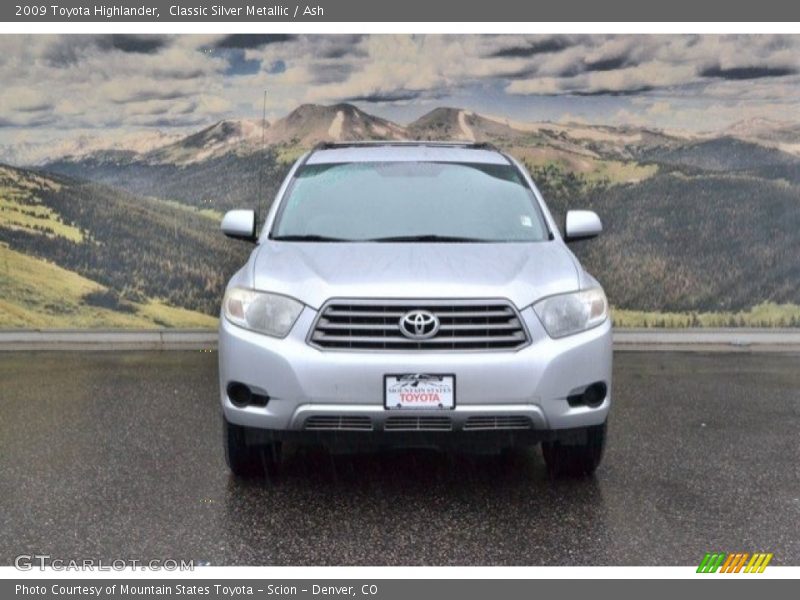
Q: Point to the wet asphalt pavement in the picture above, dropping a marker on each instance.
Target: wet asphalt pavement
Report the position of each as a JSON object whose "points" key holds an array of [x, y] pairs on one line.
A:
{"points": [[118, 455]]}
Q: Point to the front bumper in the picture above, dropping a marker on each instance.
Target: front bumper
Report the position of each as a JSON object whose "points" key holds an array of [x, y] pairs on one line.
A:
{"points": [[304, 382]]}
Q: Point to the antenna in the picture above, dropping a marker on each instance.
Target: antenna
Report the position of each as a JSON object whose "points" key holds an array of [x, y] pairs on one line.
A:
{"points": [[264, 120], [261, 165]]}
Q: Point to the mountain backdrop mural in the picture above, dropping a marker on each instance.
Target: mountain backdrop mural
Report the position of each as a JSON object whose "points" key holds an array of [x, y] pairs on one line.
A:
{"points": [[110, 203]]}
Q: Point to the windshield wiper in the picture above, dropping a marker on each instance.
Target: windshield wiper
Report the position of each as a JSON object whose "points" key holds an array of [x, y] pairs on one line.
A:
{"points": [[307, 238], [427, 238], [311, 237]]}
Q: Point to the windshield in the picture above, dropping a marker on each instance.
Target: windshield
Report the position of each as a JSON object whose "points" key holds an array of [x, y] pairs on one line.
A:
{"points": [[409, 201]]}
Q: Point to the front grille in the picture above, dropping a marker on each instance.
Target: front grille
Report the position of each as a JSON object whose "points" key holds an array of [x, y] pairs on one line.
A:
{"points": [[497, 422], [407, 423], [338, 423], [375, 325]]}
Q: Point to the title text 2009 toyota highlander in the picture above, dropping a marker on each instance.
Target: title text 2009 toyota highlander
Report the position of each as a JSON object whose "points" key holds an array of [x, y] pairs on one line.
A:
{"points": [[407, 294]]}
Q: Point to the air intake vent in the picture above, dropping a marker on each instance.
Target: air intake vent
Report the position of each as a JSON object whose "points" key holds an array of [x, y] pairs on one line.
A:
{"points": [[480, 423], [460, 325], [338, 423], [418, 424]]}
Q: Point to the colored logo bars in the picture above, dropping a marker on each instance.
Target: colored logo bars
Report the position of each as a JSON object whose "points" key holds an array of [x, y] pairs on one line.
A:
{"points": [[734, 562]]}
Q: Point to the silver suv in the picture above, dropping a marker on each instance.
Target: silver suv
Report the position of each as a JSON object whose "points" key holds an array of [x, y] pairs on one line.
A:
{"points": [[406, 294]]}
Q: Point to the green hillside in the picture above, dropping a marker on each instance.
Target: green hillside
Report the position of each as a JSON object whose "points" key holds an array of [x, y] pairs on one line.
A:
{"points": [[121, 260], [766, 314], [707, 242], [220, 183], [698, 231], [38, 294]]}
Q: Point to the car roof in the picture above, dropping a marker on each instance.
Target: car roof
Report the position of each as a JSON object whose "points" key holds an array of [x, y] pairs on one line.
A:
{"points": [[456, 152]]}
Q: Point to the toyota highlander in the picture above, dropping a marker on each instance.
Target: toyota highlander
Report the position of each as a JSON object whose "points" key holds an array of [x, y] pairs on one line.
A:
{"points": [[407, 294]]}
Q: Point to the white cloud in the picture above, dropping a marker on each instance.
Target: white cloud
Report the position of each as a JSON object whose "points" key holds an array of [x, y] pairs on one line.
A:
{"points": [[82, 82]]}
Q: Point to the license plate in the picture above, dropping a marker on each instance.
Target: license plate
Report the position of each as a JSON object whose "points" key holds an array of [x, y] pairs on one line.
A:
{"points": [[420, 391]]}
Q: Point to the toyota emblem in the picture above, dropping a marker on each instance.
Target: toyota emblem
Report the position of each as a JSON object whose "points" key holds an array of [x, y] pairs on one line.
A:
{"points": [[419, 324]]}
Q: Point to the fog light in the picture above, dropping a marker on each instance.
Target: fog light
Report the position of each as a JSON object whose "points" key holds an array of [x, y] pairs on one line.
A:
{"points": [[592, 396], [239, 394], [595, 394]]}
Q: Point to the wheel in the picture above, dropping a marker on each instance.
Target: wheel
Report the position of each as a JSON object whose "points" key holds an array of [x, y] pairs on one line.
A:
{"points": [[246, 459], [575, 460]]}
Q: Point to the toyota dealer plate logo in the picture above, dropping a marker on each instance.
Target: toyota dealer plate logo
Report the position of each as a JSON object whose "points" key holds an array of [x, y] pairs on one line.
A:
{"points": [[419, 324]]}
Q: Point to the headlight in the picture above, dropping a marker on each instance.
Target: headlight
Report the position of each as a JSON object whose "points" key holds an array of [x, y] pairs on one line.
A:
{"points": [[262, 312], [572, 313]]}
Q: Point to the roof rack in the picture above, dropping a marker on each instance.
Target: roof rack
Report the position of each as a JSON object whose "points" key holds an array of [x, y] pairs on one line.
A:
{"points": [[430, 144]]}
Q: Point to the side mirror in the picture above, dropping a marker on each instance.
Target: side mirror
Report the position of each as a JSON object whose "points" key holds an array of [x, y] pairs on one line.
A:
{"points": [[582, 225], [240, 225]]}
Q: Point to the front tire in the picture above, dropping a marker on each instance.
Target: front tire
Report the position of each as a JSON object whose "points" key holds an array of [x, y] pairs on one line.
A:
{"points": [[575, 460], [246, 459]]}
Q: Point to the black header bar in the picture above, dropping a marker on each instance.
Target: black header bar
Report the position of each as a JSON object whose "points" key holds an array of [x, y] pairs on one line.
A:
{"points": [[441, 11]]}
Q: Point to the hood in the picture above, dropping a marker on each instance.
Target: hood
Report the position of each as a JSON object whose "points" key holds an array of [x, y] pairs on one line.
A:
{"points": [[316, 272]]}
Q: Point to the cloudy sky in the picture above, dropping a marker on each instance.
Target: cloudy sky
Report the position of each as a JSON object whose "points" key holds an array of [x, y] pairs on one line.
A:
{"points": [[60, 86]]}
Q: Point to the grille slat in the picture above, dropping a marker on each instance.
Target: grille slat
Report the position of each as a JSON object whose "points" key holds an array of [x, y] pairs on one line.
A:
{"points": [[363, 313], [433, 341], [497, 422], [513, 325], [338, 423], [375, 325], [418, 424], [326, 324]]}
